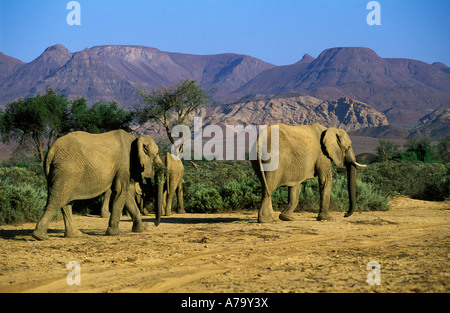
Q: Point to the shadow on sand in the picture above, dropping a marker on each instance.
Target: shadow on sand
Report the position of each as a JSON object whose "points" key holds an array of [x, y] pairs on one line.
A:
{"points": [[22, 234], [25, 234], [196, 220]]}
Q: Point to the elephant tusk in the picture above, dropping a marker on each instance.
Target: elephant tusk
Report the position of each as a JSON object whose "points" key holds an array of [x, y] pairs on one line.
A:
{"points": [[359, 165]]}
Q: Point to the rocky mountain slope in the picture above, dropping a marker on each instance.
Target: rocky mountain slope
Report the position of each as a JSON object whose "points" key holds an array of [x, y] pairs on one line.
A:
{"points": [[343, 113], [8, 65], [115, 72], [433, 125], [404, 90], [298, 110]]}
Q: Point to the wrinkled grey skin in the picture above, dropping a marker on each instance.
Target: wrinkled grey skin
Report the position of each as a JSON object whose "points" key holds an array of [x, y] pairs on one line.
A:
{"points": [[83, 166], [305, 152], [134, 192], [174, 182]]}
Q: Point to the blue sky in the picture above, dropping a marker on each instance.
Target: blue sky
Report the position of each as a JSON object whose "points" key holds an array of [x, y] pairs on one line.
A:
{"points": [[275, 31]]}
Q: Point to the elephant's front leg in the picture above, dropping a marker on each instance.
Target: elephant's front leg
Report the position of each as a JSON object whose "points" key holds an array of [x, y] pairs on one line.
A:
{"points": [[288, 213], [325, 179], [164, 203], [71, 231], [117, 203], [180, 204], [170, 195]]}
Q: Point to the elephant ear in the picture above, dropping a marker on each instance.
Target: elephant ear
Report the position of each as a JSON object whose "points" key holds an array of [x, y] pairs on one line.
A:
{"points": [[141, 151], [146, 151], [331, 144], [138, 189]]}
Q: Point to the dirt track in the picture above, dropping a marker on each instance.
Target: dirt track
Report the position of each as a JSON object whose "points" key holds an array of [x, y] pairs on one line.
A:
{"points": [[233, 253]]}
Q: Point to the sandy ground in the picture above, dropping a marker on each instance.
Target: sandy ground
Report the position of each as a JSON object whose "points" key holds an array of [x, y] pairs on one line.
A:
{"points": [[233, 253]]}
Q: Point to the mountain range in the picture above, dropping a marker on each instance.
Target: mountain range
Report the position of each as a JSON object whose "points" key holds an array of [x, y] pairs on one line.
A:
{"points": [[402, 90], [115, 72]]}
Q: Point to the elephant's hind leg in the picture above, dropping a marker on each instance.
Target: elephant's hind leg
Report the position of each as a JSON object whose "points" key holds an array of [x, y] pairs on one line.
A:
{"points": [[53, 204], [266, 214], [288, 213], [71, 231], [40, 232], [105, 206]]}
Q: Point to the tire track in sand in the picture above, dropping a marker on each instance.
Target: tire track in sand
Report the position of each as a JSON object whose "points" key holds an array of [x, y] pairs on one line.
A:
{"points": [[166, 275]]}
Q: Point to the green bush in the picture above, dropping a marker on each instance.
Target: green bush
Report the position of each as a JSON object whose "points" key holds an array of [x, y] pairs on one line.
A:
{"points": [[20, 176], [227, 186], [240, 195], [368, 197], [418, 180], [23, 196], [203, 199], [222, 186]]}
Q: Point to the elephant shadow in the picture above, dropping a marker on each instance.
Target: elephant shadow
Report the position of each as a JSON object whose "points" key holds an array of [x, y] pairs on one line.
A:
{"points": [[193, 220], [22, 234]]}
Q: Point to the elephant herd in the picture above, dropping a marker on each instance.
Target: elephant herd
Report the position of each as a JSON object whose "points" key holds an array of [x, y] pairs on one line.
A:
{"points": [[128, 169]]}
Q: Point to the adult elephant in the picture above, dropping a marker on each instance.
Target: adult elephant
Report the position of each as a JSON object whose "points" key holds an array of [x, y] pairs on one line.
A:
{"points": [[83, 166], [303, 152]]}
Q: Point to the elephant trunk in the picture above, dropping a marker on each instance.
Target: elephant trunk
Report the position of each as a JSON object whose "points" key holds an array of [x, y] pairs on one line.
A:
{"points": [[351, 181], [351, 164]]}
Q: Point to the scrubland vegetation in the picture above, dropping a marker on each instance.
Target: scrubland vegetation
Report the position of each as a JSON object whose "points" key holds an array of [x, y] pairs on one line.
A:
{"points": [[225, 186], [421, 170]]}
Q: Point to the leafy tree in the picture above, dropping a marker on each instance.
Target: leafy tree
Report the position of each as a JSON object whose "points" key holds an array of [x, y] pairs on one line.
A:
{"points": [[101, 117], [421, 149], [443, 148], [35, 118], [171, 106], [386, 149], [45, 118]]}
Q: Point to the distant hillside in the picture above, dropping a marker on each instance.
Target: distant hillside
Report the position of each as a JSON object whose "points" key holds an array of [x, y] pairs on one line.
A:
{"points": [[434, 125], [115, 72], [404, 90], [8, 65], [384, 132], [342, 113], [290, 110]]}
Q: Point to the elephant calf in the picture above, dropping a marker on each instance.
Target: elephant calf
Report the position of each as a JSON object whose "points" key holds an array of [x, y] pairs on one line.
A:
{"points": [[134, 192], [174, 182], [304, 152]]}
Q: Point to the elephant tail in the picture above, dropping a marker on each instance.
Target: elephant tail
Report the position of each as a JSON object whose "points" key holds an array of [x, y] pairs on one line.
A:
{"points": [[48, 162], [264, 180], [261, 167]]}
